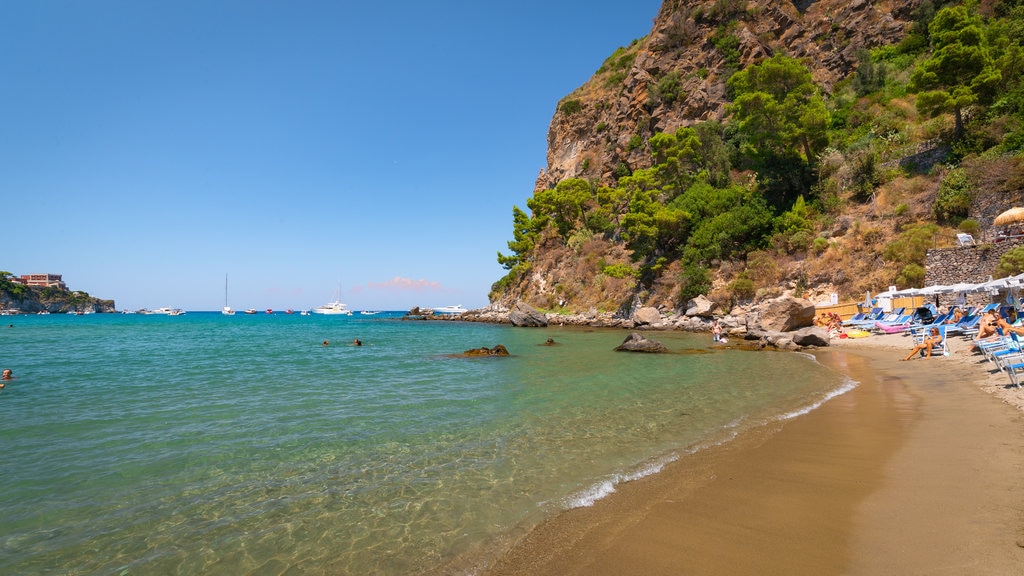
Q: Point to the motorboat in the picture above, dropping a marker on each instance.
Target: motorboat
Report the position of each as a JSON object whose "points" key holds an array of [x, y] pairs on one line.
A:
{"points": [[457, 309], [368, 312], [250, 310], [168, 311], [336, 308]]}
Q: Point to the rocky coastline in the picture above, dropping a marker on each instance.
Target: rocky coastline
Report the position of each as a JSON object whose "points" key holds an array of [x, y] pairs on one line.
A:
{"points": [[785, 323]]}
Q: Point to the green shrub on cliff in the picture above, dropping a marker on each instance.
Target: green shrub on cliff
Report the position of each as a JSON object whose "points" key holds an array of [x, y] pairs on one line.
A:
{"points": [[1011, 263]]}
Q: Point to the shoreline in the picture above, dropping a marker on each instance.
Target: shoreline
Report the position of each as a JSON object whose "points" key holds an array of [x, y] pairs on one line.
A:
{"points": [[912, 471]]}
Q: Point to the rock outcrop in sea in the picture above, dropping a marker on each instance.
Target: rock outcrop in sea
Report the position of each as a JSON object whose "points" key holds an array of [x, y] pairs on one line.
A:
{"points": [[785, 322]]}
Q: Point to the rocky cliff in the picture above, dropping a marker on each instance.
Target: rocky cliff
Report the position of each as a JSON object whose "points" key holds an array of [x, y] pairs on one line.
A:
{"points": [[675, 76], [26, 300]]}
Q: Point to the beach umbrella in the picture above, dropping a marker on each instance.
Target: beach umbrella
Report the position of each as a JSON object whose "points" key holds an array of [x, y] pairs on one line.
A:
{"points": [[1011, 216], [966, 287]]}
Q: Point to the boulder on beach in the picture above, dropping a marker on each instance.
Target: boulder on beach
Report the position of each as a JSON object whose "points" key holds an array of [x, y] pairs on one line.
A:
{"points": [[636, 342], [646, 315], [786, 314], [811, 336], [522, 314]]}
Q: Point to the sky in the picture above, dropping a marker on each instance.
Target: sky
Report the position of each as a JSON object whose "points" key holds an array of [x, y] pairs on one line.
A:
{"points": [[302, 151]]}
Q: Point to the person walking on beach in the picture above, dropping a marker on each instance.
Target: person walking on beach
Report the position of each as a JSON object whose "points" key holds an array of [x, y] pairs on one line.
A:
{"points": [[926, 345]]}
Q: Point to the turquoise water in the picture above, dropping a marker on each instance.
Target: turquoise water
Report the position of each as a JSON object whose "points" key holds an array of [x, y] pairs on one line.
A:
{"points": [[205, 444]]}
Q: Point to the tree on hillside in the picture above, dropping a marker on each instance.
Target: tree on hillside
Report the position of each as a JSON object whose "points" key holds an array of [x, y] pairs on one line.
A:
{"points": [[564, 204], [782, 122], [778, 108], [960, 71], [524, 237]]}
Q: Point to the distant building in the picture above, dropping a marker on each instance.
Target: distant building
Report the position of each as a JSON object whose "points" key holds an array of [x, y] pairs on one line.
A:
{"points": [[43, 280]]}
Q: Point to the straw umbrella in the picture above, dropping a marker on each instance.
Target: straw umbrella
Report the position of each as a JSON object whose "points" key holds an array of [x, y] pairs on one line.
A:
{"points": [[1011, 216]]}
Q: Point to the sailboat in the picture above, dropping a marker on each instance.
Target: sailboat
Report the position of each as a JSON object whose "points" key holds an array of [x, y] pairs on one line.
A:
{"points": [[226, 310]]}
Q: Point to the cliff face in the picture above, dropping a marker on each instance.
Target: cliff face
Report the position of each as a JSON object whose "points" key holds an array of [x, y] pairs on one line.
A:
{"points": [[35, 300], [676, 77], [595, 130]]}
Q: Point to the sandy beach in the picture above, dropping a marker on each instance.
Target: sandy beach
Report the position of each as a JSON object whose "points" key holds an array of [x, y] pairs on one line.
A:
{"points": [[918, 470]]}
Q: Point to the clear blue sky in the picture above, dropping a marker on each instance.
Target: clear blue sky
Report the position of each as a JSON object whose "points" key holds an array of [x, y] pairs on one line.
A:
{"points": [[150, 148]]}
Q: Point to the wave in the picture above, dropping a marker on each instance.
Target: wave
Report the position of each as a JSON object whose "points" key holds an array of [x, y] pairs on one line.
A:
{"points": [[847, 385], [589, 496]]}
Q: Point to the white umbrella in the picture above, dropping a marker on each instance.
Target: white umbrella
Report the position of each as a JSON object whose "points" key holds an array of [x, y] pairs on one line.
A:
{"points": [[997, 284], [966, 287]]}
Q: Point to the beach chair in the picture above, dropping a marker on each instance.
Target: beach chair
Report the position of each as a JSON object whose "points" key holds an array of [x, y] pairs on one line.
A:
{"points": [[868, 319], [1011, 354], [1013, 371], [941, 348], [965, 325]]}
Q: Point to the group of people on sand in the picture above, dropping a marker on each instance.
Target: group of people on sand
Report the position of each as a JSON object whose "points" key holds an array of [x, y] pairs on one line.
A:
{"points": [[992, 323], [830, 321]]}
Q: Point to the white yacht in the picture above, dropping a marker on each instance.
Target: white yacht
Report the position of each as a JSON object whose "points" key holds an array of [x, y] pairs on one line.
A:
{"points": [[333, 308], [457, 309]]}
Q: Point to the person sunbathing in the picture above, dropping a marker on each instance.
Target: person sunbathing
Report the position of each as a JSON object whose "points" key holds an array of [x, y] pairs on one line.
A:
{"points": [[987, 325], [932, 339]]}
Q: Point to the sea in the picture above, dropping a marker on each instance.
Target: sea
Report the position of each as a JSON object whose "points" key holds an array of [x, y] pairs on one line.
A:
{"points": [[212, 444]]}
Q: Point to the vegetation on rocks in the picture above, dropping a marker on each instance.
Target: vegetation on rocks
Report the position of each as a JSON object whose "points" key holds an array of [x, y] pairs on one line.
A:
{"points": [[31, 299], [816, 187]]}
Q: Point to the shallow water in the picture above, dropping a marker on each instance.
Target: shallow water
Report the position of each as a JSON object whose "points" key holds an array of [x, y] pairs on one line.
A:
{"points": [[241, 445]]}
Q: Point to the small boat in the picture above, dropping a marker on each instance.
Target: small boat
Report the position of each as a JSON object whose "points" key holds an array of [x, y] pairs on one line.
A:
{"points": [[368, 312], [168, 311], [289, 311], [269, 311], [457, 309], [250, 310], [304, 313]]}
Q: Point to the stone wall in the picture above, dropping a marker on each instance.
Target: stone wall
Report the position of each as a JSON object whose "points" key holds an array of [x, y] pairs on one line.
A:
{"points": [[972, 264]]}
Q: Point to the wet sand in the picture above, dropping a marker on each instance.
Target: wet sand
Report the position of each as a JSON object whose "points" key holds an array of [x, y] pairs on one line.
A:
{"points": [[915, 471]]}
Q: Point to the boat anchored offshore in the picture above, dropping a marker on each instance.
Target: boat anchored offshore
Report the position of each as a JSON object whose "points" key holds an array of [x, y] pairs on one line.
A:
{"points": [[457, 309], [226, 310], [333, 308]]}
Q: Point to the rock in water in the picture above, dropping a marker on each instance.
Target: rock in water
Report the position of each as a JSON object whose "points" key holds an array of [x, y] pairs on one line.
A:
{"points": [[635, 342], [498, 350]]}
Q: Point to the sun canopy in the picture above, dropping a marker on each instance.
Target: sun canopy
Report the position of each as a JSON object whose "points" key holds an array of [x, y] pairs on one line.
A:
{"points": [[1011, 216]]}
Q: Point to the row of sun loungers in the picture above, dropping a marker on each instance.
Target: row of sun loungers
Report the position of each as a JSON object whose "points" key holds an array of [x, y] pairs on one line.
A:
{"points": [[1004, 350]]}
